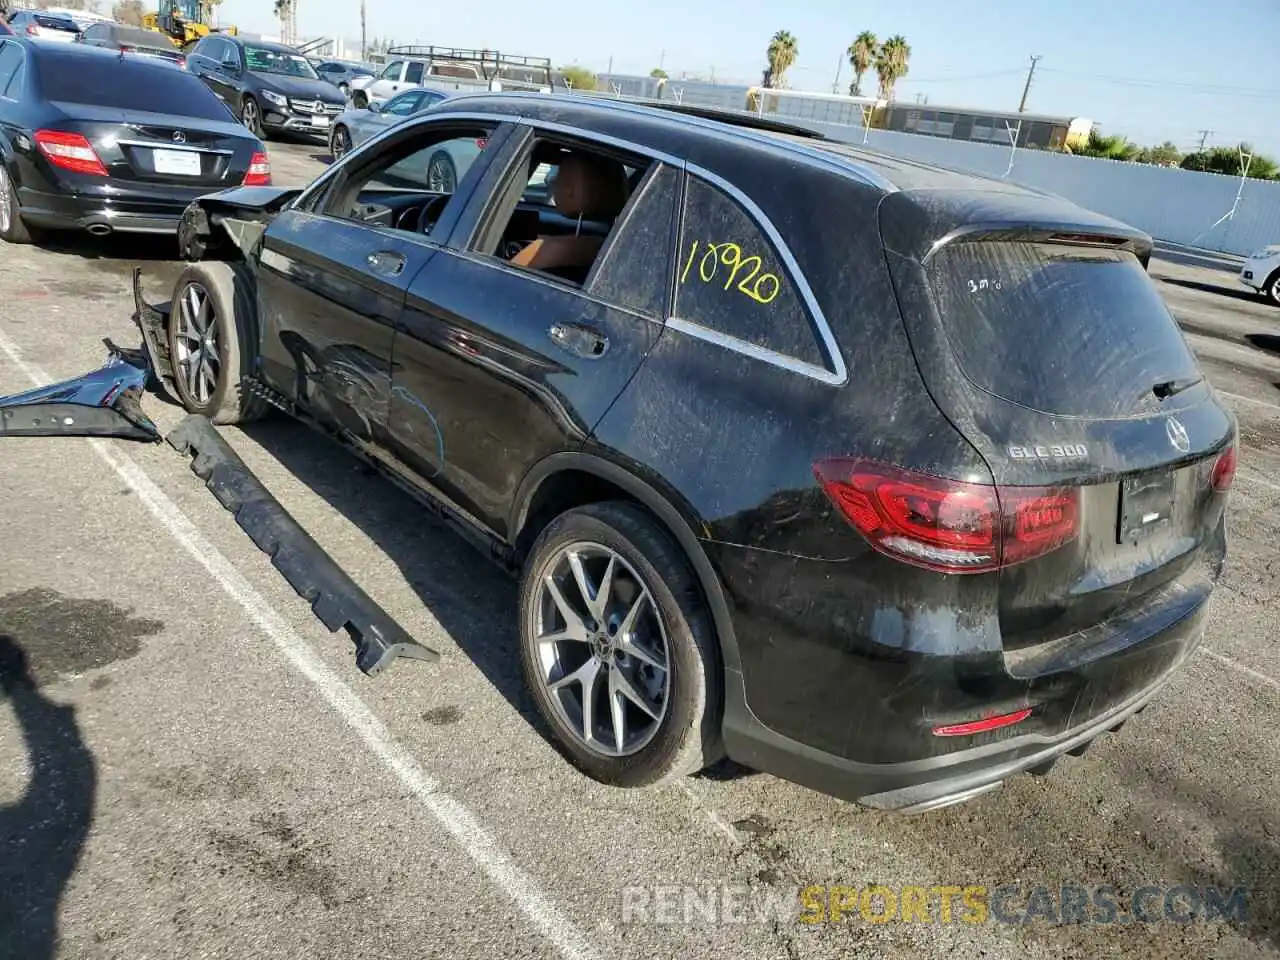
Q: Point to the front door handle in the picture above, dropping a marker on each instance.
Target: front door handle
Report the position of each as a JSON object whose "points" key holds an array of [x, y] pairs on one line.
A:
{"points": [[579, 339], [386, 263]]}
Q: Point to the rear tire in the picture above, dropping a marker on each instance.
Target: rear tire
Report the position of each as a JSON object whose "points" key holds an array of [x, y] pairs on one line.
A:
{"points": [[652, 614], [12, 227], [213, 340], [361, 100], [339, 143], [442, 175]]}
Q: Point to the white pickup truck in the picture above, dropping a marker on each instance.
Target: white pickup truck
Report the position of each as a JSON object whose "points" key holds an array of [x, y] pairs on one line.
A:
{"points": [[448, 68]]}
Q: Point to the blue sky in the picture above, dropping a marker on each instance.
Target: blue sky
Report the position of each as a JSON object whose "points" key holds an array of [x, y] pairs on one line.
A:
{"points": [[1197, 65]]}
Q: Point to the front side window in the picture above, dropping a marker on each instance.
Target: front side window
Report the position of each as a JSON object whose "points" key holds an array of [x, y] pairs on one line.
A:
{"points": [[409, 186], [730, 278], [392, 72], [414, 73], [403, 105]]}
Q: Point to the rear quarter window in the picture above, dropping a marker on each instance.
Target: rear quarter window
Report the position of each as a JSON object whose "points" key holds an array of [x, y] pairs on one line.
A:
{"points": [[730, 279], [128, 84], [1071, 331]]}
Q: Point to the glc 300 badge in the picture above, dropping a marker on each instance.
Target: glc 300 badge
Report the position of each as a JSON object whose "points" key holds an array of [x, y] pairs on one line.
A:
{"points": [[1177, 435], [1055, 451]]}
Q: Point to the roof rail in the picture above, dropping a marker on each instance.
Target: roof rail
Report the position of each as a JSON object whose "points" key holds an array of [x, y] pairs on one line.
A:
{"points": [[491, 61], [737, 118]]}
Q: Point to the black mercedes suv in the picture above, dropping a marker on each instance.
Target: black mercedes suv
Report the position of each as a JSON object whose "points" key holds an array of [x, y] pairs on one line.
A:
{"points": [[886, 479]]}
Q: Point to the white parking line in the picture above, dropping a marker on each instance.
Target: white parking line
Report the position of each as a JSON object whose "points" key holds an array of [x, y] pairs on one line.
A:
{"points": [[1226, 661], [1244, 399], [466, 830]]}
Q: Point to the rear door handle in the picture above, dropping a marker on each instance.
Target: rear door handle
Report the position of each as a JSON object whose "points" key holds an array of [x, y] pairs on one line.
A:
{"points": [[579, 339], [386, 263]]}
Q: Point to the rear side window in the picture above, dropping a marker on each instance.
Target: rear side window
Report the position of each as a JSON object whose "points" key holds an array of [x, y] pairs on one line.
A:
{"points": [[730, 279], [127, 84], [1071, 331], [635, 272], [414, 73], [10, 61]]}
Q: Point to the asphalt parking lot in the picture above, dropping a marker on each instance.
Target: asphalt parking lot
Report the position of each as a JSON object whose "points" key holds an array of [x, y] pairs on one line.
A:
{"points": [[200, 770]]}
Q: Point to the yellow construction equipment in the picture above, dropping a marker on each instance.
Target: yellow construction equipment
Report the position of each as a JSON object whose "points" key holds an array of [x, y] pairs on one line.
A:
{"points": [[185, 21]]}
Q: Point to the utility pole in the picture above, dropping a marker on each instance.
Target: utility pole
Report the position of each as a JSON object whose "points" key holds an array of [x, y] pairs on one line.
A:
{"points": [[364, 39], [835, 84], [1022, 107], [1204, 136]]}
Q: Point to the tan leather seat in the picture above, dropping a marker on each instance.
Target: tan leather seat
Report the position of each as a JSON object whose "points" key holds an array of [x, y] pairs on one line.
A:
{"points": [[587, 187]]}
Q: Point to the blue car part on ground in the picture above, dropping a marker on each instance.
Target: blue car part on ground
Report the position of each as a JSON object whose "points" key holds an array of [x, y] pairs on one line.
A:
{"points": [[104, 403]]}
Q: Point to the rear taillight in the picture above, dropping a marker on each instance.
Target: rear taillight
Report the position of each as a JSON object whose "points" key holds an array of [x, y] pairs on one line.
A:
{"points": [[949, 525], [33, 30], [985, 725], [124, 49], [1224, 470], [182, 61], [70, 151], [482, 142], [259, 174]]}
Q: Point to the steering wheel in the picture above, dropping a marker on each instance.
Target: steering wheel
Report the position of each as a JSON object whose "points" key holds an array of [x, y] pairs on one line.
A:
{"points": [[431, 211]]}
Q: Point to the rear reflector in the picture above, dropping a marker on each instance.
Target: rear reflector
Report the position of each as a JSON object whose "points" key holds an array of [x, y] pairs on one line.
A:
{"points": [[259, 174], [982, 726], [70, 151], [949, 525], [1224, 470]]}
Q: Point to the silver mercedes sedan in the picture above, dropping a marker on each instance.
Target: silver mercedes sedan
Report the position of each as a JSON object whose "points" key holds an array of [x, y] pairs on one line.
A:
{"points": [[356, 125]]}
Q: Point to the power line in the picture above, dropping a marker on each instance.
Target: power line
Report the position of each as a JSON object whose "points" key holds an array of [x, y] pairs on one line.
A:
{"points": [[964, 76], [1202, 88]]}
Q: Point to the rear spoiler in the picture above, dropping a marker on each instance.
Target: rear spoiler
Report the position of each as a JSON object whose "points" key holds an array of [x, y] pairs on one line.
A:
{"points": [[1084, 235]]}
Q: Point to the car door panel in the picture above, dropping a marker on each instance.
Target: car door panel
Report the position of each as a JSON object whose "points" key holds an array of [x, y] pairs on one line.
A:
{"points": [[496, 369], [330, 296]]}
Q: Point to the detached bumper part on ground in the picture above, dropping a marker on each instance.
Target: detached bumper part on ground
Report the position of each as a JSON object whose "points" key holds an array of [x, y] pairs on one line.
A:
{"points": [[104, 403]]}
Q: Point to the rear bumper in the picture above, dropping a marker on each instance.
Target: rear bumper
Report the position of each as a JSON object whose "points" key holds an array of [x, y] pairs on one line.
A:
{"points": [[916, 786], [827, 712], [115, 214]]}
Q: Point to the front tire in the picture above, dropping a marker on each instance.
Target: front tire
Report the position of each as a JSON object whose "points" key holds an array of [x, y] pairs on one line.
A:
{"points": [[618, 649], [361, 100], [339, 143], [213, 341], [251, 116], [12, 227], [1272, 288]]}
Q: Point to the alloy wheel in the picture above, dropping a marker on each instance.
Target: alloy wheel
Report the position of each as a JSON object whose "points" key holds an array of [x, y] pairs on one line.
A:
{"points": [[249, 115], [341, 143], [602, 649], [198, 358], [440, 175], [1275, 289], [6, 202]]}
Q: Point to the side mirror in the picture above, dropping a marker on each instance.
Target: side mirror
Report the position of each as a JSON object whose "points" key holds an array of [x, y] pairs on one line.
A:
{"points": [[375, 107]]}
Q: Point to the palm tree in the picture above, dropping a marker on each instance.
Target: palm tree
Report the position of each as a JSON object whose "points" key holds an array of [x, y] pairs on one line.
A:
{"points": [[862, 54], [891, 63], [782, 53]]}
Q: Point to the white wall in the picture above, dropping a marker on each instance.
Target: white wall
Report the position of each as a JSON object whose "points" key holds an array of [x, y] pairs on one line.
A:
{"points": [[1178, 206]]}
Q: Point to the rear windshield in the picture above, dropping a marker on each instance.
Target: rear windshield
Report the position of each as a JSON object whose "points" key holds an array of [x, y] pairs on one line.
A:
{"points": [[56, 23], [138, 37], [128, 84], [1072, 331]]}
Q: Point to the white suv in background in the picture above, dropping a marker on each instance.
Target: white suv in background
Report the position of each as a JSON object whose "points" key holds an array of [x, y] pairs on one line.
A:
{"points": [[1262, 272], [401, 75]]}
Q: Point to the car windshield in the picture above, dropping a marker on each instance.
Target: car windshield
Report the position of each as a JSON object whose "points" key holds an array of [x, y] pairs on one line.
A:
{"points": [[266, 60]]}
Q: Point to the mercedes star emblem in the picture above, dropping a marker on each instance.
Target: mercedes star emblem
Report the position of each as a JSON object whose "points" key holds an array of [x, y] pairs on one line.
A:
{"points": [[179, 137], [1177, 435]]}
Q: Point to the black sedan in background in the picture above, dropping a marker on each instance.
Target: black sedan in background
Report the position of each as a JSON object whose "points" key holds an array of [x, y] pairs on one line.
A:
{"points": [[119, 37], [269, 86], [104, 142]]}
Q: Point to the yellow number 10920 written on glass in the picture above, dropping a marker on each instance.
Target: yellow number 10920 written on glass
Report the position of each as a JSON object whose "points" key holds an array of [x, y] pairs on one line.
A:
{"points": [[745, 271]]}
